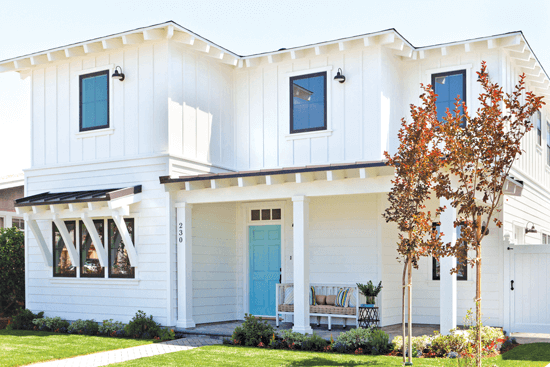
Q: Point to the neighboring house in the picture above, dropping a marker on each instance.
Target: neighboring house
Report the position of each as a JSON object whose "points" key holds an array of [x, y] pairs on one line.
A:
{"points": [[11, 188], [192, 184]]}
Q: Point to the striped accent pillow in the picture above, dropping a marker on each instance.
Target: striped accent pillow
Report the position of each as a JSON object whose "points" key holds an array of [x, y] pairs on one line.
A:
{"points": [[342, 297], [312, 300], [353, 298], [289, 296]]}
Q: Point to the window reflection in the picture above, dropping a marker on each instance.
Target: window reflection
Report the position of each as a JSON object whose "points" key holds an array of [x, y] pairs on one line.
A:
{"points": [[63, 266], [308, 103], [89, 260], [119, 262]]}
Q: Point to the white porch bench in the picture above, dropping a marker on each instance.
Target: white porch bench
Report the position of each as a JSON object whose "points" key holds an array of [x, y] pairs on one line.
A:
{"points": [[320, 310]]}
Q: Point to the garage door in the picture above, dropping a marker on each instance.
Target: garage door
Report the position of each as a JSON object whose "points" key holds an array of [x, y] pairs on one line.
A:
{"points": [[530, 289]]}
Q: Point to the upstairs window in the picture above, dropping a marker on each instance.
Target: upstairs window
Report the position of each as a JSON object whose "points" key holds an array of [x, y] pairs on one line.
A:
{"points": [[94, 101], [538, 124], [448, 86], [308, 102]]}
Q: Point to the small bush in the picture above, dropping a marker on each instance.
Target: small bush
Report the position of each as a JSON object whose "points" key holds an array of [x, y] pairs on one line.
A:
{"points": [[253, 332], [111, 328], [317, 343], [23, 320], [142, 327], [83, 327], [290, 337], [166, 334], [378, 342], [355, 338], [55, 324]]}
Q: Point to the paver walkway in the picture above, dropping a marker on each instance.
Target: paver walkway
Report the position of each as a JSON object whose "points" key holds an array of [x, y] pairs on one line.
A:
{"points": [[121, 355]]}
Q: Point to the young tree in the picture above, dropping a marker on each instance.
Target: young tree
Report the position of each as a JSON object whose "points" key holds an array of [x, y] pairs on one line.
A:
{"points": [[416, 164], [12, 270], [478, 158]]}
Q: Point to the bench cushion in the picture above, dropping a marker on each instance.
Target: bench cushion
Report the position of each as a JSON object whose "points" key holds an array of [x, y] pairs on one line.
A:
{"points": [[323, 309]]}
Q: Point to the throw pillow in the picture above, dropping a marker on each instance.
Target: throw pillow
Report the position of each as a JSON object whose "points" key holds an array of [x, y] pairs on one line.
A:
{"points": [[331, 300], [289, 296], [312, 301], [341, 297], [353, 298], [320, 299]]}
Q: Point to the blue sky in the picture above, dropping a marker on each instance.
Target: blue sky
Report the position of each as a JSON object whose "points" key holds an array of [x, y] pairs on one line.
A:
{"points": [[244, 27]]}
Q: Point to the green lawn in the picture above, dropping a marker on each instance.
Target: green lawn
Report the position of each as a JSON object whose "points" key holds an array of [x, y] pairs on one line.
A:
{"points": [[524, 355], [20, 347]]}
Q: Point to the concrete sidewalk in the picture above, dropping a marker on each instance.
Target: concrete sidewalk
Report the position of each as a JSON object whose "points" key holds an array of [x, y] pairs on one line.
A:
{"points": [[127, 354]]}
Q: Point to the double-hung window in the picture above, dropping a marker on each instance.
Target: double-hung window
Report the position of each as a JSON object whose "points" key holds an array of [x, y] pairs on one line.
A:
{"points": [[436, 268], [448, 86], [308, 102], [94, 101]]}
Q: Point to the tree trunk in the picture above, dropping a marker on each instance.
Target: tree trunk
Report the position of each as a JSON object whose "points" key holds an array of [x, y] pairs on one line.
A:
{"points": [[403, 305], [478, 293], [409, 270]]}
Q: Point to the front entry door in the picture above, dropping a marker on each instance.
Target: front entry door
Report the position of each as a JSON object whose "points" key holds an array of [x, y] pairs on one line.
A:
{"points": [[265, 268]]}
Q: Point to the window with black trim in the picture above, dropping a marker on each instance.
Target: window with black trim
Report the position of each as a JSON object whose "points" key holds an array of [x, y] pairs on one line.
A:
{"points": [[89, 260], [436, 268], [94, 101], [265, 214], [62, 265], [538, 124], [448, 86], [308, 102], [119, 262]]}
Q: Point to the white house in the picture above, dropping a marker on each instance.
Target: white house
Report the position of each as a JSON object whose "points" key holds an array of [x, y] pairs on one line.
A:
{"points": [[225, 174]]}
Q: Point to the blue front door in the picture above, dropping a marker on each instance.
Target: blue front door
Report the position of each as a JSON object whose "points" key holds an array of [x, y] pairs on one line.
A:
{"points": [[265, 268]]}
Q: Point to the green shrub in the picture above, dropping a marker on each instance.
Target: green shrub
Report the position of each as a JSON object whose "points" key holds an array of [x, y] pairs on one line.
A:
{"points": [[252, 332], [83, 327], [142, 327], [317, 343], [55, 324], [378, 342], [166, 334], [12, 270], [111, 328], [355, 338], [23, 320], [290, 337]]}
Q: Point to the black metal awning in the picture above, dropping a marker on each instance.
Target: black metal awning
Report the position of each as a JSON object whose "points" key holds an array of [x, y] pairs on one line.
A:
{"points": [[50, 198]]}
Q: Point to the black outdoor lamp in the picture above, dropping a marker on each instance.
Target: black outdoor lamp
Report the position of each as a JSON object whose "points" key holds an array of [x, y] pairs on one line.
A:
{"points": [[118, 76], [530, 230], [339, 76]]}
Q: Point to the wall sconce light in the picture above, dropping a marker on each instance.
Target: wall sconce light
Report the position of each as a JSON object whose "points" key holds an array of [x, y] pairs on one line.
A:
{"points": [[530, 230], [118, 76], [339, 76]]}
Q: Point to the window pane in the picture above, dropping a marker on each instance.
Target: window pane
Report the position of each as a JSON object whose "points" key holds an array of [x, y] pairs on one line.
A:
{"points": [[94, 104], [266, 214], [1, 222], [119, 262], [308, 110], [276, 214], [18, 223], [255, 215], [63, 266], [89, 261], [448, 87]]}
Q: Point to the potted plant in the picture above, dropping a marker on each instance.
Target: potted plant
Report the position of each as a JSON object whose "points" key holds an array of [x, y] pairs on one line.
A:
{"points": [[370, 292]]}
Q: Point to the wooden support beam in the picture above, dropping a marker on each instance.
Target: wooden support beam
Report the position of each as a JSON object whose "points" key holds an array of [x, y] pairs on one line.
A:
{"points": [[511, 41], [129, 245], [230, 59], [407, 52], [247, 181], [397, 45], [57, 55], [37, 209], [201, 46], [216, 53], [529, 64], [44, 250], [520, 55], [58, 208], [368, 172], [24, 74], [492, 43], [240, 63], [194, 185], [77, 207], [220, 183], [272, 59], [184, 38], [22, 210], [23, 63], [96, 239], [275, 179], [170, 31], [421, 54], [296, 54], [536, 71], [252, 62], [336, 175], [304, 177], [467, 47], [124, 201], [112, 43], [541, 85], [343, 46], [9, 66], [132, 39], [518, 48], [96, 205], [67, 239], [443, 51], [74, 51], [540, 78], [93, 47], [321, 50], [40, 59], [387, 38], [154, 34], [368, 41]]}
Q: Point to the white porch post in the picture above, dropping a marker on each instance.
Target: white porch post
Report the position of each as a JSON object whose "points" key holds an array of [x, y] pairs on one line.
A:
{"points": [[185, 263], [447, 283], [301, 265]]}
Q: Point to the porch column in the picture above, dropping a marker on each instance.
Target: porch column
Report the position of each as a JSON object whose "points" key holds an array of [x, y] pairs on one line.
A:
{"points": [[184, 267], [301, 265], [447, 283]]}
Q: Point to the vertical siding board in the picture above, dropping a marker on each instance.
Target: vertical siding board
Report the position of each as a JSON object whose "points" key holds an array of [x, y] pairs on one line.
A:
{"points": [[270, 133], [160, 97], [88, 144], [203, 112], [353, 110], [39, 120], [256, 121], [189, 107], [116, 140], [215, 98], [286, 147], [131, 102], [50, 112], [371, 103], [74, 110], [227, 127], [241, 120], [337, 139], [146, 100], [175, 108], [102, 141], [63, 113]]}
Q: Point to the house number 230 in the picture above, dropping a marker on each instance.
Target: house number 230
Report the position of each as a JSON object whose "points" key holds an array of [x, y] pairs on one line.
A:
{"points": [[180, 232]]}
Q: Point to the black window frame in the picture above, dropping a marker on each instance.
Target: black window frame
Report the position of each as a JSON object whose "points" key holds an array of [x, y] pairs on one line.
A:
{"points": [[54, 228], [464, 276], [454, 72], [291, 106], [133, 269], [538, 117], [91, 75], [81, 225]]}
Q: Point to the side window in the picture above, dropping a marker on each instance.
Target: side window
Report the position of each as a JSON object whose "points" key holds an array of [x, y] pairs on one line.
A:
{"points": [[94, 101], [119, 262], [448, 86], [18, 223], [538, 124], [62, 265], [308, 102], [436, 268]]}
